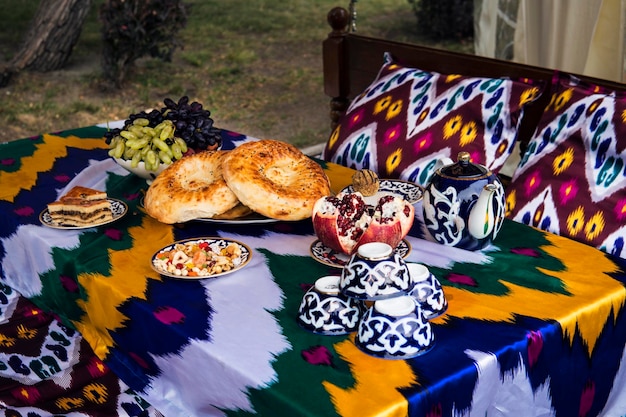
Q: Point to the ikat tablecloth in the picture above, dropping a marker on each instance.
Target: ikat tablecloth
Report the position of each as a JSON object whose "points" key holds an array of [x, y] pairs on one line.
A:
{"points": [[535, 324]]}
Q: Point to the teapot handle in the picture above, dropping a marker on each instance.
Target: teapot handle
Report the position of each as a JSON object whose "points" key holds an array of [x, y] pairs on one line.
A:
{"points": [[442, 162]]}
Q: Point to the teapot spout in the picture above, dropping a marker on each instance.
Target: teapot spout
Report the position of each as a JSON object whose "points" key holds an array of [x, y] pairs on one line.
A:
{"points": [[482, 219]]}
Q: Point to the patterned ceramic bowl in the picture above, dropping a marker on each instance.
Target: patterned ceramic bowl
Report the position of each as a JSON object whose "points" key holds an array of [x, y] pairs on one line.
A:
{"points": [[375, 272], [395, 328], [427, 291], [324, 310]]}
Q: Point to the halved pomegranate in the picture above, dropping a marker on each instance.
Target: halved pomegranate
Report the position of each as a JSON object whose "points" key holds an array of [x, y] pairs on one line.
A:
{"points": [[344, 222], [391, 222], [340, 221]]}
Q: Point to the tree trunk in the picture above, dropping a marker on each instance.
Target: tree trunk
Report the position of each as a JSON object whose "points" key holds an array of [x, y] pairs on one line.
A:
{"points": [[51, 37]]}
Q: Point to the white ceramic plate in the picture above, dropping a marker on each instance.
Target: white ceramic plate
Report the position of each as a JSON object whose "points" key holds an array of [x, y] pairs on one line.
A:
{"points": [[410, 191], [140, 170], [252, 218], [118, 208], [327, 256], [216, 244]]}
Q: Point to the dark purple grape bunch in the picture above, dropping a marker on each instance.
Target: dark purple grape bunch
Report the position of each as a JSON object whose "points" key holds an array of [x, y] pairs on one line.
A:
{"points": [[193, 123], [110, 134]]}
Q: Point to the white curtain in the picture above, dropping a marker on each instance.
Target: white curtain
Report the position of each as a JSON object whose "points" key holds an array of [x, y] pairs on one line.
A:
{"points": [[579, 36], [494, 28], [585, 37]]}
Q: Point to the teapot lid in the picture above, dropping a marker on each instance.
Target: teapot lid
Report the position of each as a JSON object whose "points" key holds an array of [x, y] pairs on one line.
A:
{"points": [[463, 168]]}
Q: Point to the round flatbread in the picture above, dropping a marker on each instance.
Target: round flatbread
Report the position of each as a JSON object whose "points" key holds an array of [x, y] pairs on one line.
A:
{"points": [[275, 179], [191, 188], [236, 212]]}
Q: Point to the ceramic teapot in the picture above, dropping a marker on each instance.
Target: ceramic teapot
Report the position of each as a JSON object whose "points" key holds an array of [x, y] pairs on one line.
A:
{"points": [[463, 204]]}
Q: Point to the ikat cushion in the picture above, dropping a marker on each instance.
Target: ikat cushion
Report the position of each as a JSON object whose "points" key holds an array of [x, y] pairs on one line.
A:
{"points": [[408, 119], [572, 179]]}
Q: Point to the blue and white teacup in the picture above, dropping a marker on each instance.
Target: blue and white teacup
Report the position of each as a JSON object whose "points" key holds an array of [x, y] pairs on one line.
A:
{"points": [[427, 291], [324, 310], [375, 272], [395, 328]]}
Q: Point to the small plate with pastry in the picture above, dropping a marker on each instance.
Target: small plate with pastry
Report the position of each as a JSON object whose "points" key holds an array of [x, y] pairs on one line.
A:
{"points": [[372, 188], [201, 258], [82, 208]]}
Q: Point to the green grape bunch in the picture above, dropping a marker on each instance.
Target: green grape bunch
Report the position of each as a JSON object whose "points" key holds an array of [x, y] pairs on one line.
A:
{"points": [[153, 145]]}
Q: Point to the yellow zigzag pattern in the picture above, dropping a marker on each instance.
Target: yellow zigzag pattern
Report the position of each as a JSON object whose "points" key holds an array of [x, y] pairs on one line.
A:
{"points": [[583, 279], [371, 392], [53, 147], [128, 278]]}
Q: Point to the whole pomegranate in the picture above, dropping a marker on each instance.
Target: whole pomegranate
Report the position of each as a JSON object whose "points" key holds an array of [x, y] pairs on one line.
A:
{"points": [[344, 222]]}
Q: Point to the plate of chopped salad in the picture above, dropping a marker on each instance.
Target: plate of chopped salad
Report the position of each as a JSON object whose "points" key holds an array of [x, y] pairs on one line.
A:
{"points": [[201, 258]]}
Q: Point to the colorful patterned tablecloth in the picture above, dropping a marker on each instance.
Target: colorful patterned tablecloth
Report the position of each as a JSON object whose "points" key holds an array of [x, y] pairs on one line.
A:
{"points": [[535, 325]]}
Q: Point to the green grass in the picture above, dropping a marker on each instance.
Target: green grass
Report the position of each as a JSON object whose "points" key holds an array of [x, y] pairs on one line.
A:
{"points": [[256, 65]]}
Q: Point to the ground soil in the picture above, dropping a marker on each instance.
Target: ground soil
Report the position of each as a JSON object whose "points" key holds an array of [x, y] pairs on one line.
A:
{"points": [[268, 102], [296, 112]]}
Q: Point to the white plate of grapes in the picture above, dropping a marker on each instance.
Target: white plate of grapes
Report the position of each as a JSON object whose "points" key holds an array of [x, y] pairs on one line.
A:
{"points": [[140, 169], [148, 142]]}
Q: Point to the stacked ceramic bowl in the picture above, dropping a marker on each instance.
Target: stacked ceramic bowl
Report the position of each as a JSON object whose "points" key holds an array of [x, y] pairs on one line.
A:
{"points": [[324, 310], [387, 301]]}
